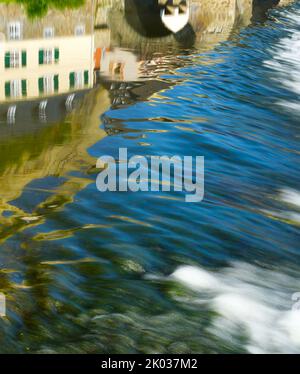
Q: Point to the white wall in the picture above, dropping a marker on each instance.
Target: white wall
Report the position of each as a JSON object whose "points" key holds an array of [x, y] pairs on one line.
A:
{"points": [[75, 54]]}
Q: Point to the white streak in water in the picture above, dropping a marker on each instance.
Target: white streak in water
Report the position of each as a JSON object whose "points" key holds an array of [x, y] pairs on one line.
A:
{"points": [[290, 196], [255, 299], [286, 61], [195, 278]]}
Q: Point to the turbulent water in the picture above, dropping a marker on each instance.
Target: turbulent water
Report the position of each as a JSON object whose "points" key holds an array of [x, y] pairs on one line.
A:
{"points": [[119, 272]]}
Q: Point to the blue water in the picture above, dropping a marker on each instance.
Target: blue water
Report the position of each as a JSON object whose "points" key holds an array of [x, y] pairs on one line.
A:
{"points": [[147, 272]]}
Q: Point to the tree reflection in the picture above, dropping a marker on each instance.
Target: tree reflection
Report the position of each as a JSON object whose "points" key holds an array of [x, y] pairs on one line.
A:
{"points": [[39, 8]]}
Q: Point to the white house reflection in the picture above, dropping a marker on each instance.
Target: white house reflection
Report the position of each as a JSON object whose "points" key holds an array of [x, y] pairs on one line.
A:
{"points": [[51, 62], [41, 59]]}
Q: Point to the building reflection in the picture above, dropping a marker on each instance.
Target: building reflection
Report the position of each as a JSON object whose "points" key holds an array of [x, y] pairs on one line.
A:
{"points": [[132, 42], [59, 73], [50, 62], [54, 89], [40, 61]]}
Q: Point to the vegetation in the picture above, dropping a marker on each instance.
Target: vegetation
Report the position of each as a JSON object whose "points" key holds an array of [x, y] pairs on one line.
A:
{"points": [[38, 8]]}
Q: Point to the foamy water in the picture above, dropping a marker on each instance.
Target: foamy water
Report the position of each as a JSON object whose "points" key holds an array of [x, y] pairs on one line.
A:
{"points": [[251, 301], [290, 206], [285, 61], [247, 299], [290, 196]]}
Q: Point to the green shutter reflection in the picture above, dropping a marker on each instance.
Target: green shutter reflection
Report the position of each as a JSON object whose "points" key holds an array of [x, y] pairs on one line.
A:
{"points": [[7, 89], [24, 87], [72, 80], [41, 57], [55, 83], [86, 77], [41, 85], [7, 60], [24, 58], [56, 54]]}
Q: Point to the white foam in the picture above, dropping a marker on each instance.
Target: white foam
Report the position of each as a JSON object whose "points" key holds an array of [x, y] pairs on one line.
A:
{"points": [[256, 300], [295, 106], [195, 278], [290, 210], [290, 196], [241, 308], [291, 217], [286, 61], [291, 323]]}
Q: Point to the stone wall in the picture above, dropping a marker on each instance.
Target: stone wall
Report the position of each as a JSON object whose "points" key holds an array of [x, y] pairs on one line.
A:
{"points": [[64, 21], [210, 16]]}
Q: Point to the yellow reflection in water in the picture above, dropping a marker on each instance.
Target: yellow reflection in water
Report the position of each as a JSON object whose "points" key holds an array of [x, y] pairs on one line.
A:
{"points": [[56, 151]]}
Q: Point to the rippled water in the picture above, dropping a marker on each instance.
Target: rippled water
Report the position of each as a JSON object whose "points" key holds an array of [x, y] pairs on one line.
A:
{"points": [[85, 271]]}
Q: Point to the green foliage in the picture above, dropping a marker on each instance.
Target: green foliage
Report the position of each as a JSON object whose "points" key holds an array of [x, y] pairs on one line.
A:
{"points": [[39, 8]]}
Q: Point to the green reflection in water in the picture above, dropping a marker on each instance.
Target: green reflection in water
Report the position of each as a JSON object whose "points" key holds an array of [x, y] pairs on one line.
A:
{"points": [[39, 8]]}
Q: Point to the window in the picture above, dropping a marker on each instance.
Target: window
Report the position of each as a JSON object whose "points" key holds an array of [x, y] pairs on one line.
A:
{"points": [[14, 31], [15, 59], [48, 32], [16, 88], [48, 84], [79, 79], [79, 30], [48, 56]]}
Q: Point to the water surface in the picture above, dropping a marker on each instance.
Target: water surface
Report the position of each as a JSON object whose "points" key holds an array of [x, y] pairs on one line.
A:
{"points": [[91, 272]]}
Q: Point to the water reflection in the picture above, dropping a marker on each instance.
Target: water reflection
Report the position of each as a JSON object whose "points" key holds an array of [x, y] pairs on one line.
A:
{"points": [[41, 63], [36, 9], [64, 74], [41, 59]]}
